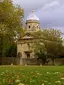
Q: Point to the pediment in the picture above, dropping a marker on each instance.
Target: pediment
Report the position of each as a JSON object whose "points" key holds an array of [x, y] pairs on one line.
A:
{"points": [[28, 36]]}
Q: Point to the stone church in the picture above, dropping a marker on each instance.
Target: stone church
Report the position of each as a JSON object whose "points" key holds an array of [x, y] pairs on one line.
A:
{"points": [[25, 51], [24, 45]]}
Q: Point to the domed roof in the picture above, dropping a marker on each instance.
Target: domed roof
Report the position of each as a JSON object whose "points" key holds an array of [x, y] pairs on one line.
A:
{"points": [[32, 16]]}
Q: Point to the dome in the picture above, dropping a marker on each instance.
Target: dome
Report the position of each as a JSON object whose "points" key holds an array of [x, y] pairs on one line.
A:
{"points": [[32, 16]]}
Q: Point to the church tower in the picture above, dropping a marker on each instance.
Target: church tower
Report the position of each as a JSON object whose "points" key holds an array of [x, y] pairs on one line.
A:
{"points": [[25, 50], [32, 22]]}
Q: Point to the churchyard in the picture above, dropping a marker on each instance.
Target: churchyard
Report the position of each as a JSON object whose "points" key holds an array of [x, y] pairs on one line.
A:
{"points": [[31, 75]]}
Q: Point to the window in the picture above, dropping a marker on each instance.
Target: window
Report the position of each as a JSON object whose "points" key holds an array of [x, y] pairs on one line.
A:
{"points": [[37, 26], [19, 55], [28, 45], [28, 55], [29, 26]]}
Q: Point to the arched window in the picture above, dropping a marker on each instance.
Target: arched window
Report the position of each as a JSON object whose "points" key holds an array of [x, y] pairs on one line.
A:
{"points": [[29, 26], [37, 26], [28, 45], [19, 55]]}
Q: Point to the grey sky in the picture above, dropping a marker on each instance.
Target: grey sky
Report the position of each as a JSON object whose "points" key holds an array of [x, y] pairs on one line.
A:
{"points": [[50, 12]]}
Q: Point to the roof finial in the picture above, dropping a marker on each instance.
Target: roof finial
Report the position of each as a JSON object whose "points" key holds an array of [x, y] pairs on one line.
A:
{"points": [[32, 11]]}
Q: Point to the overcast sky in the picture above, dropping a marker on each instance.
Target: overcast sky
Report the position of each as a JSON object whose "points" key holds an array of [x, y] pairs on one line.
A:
{"points": [[50, 12]]}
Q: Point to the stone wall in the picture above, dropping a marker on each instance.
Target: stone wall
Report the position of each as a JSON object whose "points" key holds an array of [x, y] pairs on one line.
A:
{"points": [[59, 61], [25, 61], [32, 61], [9, 60], [18, 61]]}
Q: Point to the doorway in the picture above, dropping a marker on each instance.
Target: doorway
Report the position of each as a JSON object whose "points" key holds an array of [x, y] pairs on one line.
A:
{"points": [[28, 54]]}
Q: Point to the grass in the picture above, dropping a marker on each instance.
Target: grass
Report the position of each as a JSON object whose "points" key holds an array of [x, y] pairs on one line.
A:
{"points": [[31, 75]]}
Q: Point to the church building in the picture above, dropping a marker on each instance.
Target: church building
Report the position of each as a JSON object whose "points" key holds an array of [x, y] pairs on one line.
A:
{"points": [[24, 45]]}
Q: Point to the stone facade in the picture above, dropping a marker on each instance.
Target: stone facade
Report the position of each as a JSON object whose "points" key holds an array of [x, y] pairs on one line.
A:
{"points": [[32, 25], [25, 50], [24, 44]]}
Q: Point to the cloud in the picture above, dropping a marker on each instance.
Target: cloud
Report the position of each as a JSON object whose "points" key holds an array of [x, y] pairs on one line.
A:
{"points": [[28, 5], [52, 15], [52, 4], [50, 12]]}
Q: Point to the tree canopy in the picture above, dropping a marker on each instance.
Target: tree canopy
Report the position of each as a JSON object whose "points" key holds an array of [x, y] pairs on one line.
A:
{"points": [[11, 21], [10, 18], [50, 41]]}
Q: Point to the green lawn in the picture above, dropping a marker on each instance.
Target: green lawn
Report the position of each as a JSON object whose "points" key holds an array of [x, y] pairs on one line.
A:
{"points": [[31, 75]]}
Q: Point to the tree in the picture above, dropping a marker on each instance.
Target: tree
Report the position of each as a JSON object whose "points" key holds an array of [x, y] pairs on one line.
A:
{"points": [[54, 43], [40, 52], [11, 20], [52, 40], [11, 51]]}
